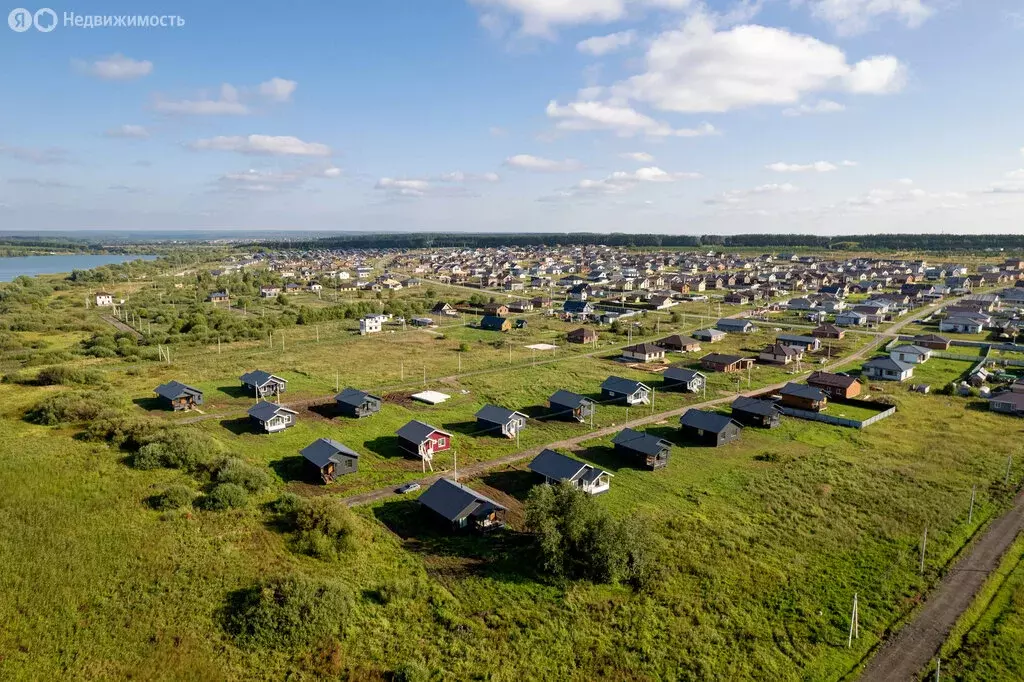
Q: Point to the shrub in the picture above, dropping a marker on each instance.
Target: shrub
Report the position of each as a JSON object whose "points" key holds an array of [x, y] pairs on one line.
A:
{"points": [[74, 406], [326, 528], [288, 505], [120, 429], [175, 497], [68, 376], [464, 347], [240, 472], [413, 671], [225, 496], [285, 612], [177, 448]]}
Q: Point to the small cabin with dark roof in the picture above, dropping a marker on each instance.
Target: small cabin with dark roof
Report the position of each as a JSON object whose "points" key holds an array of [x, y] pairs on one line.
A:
{"points": [[647, 450], [682, 379], [679, 344], [178, 396], [459, 507], [625, 391], [643, 352], [330, 458], [568, 405], [754, 412], [718, 362], [554, 467], [262, 384], [272, 417], [494, 323], [803, 397], [709, 428], [836, 386], [423, 440], [355, 403], [499, 421]]}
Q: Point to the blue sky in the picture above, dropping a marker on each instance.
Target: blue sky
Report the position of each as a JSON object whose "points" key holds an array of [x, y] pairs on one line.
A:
{"points": [[826, 116]]}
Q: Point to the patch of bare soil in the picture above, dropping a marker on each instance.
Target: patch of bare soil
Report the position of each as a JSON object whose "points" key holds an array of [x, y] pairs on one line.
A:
{"points": [[403, 398]]}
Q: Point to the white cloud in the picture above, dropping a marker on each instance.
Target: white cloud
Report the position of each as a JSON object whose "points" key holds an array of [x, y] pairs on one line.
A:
{"points": [[278, 89], [620, 182], [817, 167], [332, 172], [126, 130], [738, 196], [602, 45], [847, 163], [698, 68], [1012, 183], [272, 180], [451, 184], [639, 157], [542, 17], [622, 120], [850, 17], [226, 103], [538, 163], [282, 145], [116, 67], [823, 106]]}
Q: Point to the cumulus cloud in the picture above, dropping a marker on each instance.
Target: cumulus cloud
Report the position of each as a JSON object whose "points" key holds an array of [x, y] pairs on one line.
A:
{"points": [[1012, 183], [227, 102], [130, 131], [452, 184], [822, 106], [737, 196], [537, 163], [619, 182], [698, 68], [602, 45], [276, 145], [116, 67], [817, 167], [262, 181], [850, 17], [623, 120], [542, 17], [278, 89], [639, 157]]}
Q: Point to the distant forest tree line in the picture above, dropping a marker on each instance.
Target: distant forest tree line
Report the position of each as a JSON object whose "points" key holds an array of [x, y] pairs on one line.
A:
{"points": [[869, 242]]}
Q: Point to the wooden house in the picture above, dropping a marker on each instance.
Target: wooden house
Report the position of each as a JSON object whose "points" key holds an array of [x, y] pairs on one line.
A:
{"points": [[679, 344], [355, 403], [272, 417], [178, 396], [709, 428], [462, 508], [933, 341], [496, 309], [330, 458], [567, 405], [828, 331], [682, 379], [625, 391], [717, 362], [495, 324], [261, 384], [219, 297], [803, 397], [554, 467], [836, 386], [446, 309], [647, 450], [423, 440], [755, 412], [581, 335], [499, 421]]}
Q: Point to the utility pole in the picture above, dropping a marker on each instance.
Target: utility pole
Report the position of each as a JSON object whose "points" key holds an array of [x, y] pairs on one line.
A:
{"points": [[424, 375], [924, 547], [854, 622], [970, 513], [337, 381], [1009, 464]]}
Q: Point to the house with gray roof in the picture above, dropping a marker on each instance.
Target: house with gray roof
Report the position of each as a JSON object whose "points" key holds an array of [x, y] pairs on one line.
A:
{"points": [[625, 391], [261, 384], [355, 403], [178, 396], [647, 450], [709, 428], [272, 417], [554, 467], [682, 379], [887, 369], [462, 508], [499, 421], [730, 325], [423, 440], [756, 412], [911, 354], [330, 458], [568, 405]]}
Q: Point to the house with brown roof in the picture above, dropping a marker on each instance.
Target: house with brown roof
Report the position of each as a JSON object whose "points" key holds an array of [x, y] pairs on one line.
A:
{"points": [[718, 362], [836, 386], [581, 335], [643, 352]]}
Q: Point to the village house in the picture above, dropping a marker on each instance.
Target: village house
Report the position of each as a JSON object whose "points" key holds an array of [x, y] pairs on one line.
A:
{"points": [[269, 291], [679, 344], [355, 403], [717, 362], [219, 297], [643, 352], [581, 335], [496, 309], [460, 508], [828, 331], [803, 397], [887, 369], [836, 386], [679, 378], [709, 428], [730, 325], [370, 324], [554, 467], [178, 396], [568, 405], [851, 318], [494, 421], [520, 306], [446, 309], [780, 354], [625, 391], [911, 355], [493, 323], [423, 440], [962, 325], [649, 451], [272, 417], [262, 384], [933, 341], [756, 412], [330, 458], [709, 335], [104, 299], [1008, 403], [578, 310], [805, 343]]}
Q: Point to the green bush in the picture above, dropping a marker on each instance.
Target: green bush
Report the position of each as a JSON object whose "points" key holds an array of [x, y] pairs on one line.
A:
{"points": [[285, 613], [178, 448], [68, 407], [325, 528], [175, 497], [123, 430], [68, 376], [240, 472], [225, 496], [413, 671], [288, 505]]}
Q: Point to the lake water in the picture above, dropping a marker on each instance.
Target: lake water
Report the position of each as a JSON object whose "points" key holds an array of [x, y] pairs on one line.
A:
{"points": [[48, 265]]}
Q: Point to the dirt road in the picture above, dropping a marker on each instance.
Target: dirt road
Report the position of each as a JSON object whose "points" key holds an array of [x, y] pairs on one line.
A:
{"points": [[905, 655]]}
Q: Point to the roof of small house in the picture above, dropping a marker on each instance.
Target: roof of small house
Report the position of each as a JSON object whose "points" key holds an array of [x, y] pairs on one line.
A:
{"points": [[781, 349], [323, 450], [258, 377], [493, 322], [709, 332], [721, 358], [644, 348], [681, 374], [264, 410], [641, 442], [676, 341], [1015, 399], [803, 391], [568, 399], [497, 415], [559, 467], [620, 385], [765, 408], [931, 338], [707, 421], [889, 364], [353, 397], [577, 307], [175, 389], [733, 323], [455, 501], [913, 350], [831, 380], [417, 431], [794, 338]]}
